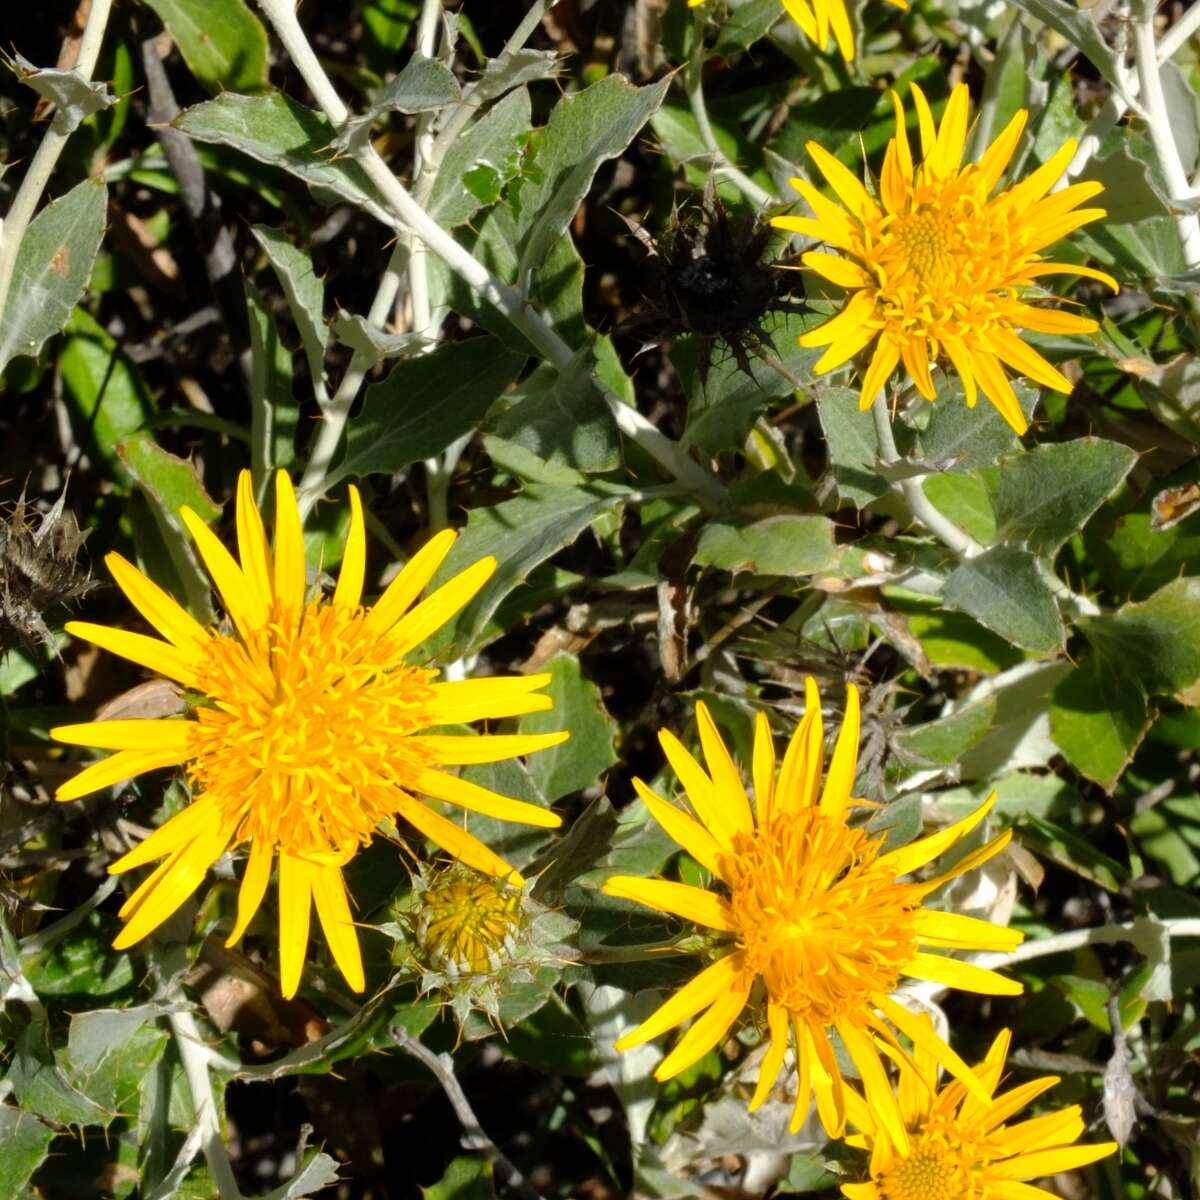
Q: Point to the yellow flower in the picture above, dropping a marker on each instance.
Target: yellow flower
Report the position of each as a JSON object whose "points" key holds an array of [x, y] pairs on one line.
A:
{"points": [[307, 727], [815, 909], [936, 267], [957, 1146], [818, 18]]}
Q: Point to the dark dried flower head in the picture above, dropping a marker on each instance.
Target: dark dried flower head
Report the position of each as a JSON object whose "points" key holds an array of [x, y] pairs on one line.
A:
{"points": [[709, 278], [40, 571]]}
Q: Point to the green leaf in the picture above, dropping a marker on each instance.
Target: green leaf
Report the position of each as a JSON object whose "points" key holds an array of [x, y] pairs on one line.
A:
{"points": [[53, 266], [85, 964], [305, 295], [1045, 495], [1080, 29], [1135, 556], [280, 132], [26, 1142], [424, 85], [964, 499], [424, 404], [1157, 642], [492, 145], [468, 1177], [1075, 853], [1005, 592], [274, 413], [852, 446], [223, 43], [790, 545], [581, 761], [1098, 717], [169, 483], [521, 533], [584, 131], [40, 1085], [75, 97], [958, 438], [108, 399], [724, 400], [952, 639], [561, 418], [746, 24], [111, 1050], [1169, 833], [942, 742]]}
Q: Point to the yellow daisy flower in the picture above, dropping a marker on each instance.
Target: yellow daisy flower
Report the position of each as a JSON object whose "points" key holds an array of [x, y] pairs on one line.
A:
{"points": [[307, 727], [936, 267], [819, 18], [814, 908], [957, 1146]]}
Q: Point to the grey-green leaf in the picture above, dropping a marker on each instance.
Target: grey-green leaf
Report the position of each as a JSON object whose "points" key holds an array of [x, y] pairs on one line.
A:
{"points": [[581, 761], [424, 404], [584, 131], [1045, 495], [790, 544], [277, 130], [520, 533], [1155, 643], [26, 1142], [492, 148], [1004, 591], [75, 97], [52, 269], [561, 418], [305, 294]]}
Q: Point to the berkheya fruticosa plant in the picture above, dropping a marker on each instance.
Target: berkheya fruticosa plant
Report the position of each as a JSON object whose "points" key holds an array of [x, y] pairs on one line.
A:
{"points": [[515, 438]]}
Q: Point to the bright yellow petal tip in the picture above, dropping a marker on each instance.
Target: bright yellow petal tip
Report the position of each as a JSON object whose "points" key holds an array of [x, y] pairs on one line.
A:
{"points": [[311, 729], [816, 912], [935, 271]]}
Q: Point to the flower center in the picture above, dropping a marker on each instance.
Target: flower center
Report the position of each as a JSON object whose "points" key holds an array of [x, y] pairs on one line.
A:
{"points": [[932, 1170], [466, 924], [944, 264], [817, 918], [307, 736], [932, 245]]}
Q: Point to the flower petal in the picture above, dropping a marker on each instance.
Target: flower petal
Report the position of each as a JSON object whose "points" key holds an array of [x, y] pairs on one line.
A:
{"points": [[348, 593], [965, 976], [252, 541], [410, 583], [333, 909], [440, 607], [462, 750], [295, 913], [707, 1031], [162, 611], [455, 840], [734, 806], [698, 993], [125, 764], [680, 899], [917, 854], [839, 779], [159, 657], [682, 829], [472, 796], [255, 877]]}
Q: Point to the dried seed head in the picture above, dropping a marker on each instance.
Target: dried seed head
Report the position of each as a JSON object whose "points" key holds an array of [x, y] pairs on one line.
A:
{"points": [[40, 571]]}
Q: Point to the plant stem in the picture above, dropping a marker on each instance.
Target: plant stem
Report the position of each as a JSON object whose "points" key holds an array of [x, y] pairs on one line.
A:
{"points": [[1158, 123], [694, 82], [508, 300], [1118, 103], [194, 1055], [25, 202], [922, 509]]}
